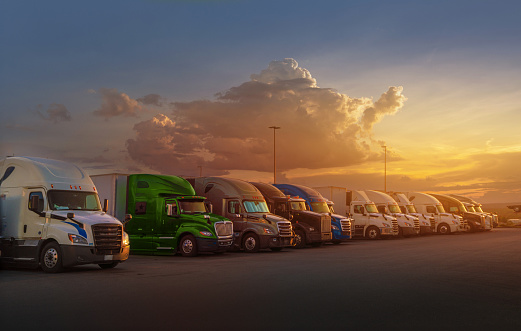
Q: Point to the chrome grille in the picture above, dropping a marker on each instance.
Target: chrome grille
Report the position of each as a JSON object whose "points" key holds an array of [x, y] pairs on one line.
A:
{"points": [[224, 229], [345, 223], [417, 224], [107, 238], [326, 224], [395, 226], [284, 229]]}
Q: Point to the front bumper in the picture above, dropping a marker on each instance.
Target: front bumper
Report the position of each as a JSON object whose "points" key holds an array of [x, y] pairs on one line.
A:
{"points": [[386, 231], [213, 245], [76, 255], [275, 241], [425, 230], [338, 235], [408, 231]]}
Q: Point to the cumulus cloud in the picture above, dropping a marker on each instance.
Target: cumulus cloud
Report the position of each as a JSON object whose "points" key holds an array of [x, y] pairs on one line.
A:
{"points": [[55, 113], [151, 99], [116, 103], [320, 127]]}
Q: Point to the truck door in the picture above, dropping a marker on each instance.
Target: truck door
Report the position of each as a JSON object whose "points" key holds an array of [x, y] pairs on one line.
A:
{"points": [[281, 209], [359, 219], [34, 218], [233, 213], [170, 221]]}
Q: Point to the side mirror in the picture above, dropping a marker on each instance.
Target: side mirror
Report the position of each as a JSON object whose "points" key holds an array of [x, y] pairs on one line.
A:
{"points": [[128, 217], [70, 215], [105, 205]]}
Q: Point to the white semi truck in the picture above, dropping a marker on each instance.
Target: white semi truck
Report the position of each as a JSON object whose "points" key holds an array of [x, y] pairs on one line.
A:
{"points": [[444, 223], [408, 225], [366, 221], [427, 223], [50, 216]]}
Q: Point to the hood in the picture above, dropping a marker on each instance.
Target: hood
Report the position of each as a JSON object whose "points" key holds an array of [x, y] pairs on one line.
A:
{"points": [[87, 217]]}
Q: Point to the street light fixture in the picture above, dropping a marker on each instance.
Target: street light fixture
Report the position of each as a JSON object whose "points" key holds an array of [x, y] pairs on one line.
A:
{"points": [[274, 154]]}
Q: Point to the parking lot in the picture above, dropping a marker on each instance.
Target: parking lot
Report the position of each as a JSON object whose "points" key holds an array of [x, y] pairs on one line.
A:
{"points": [[451, 282]]}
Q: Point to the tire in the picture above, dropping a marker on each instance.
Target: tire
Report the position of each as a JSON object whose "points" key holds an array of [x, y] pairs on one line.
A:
{"points": [[51, 259], [276, 249], [108, 265], [251, 243], [300, 239], [372, 233], [443, 228], [188, 246]]}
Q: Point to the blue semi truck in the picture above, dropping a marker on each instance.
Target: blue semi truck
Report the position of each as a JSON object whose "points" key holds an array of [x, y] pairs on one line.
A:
{"points": [[340, 225]]}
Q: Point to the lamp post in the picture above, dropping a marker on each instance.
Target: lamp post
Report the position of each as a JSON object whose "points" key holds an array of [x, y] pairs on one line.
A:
{"points": [[385, 168], [274, 154], [200, 171]]}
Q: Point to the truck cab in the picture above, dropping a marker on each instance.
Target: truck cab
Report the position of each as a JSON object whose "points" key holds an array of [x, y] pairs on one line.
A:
{"points": [[51, 216], [444, 222], [369, 223], [491, 220], [254, 226], [408, 225], [307, 224], [475, 221], [167, 217], [427, 223]]}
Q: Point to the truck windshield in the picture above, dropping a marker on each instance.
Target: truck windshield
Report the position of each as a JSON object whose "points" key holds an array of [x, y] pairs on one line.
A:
{"points": [[394, 209], [192, 206], [440, 208], [255, 206], [470, 209], [320, 207], [73, 200], [411, 209], [371, 208], [478, 209], [297, 205]]}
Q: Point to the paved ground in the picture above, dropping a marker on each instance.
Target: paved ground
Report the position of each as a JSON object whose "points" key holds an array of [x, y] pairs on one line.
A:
{"points": [[428, 283]]}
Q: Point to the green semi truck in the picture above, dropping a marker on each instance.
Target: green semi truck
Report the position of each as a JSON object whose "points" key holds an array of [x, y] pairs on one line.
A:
{"points": [[167, 217]]}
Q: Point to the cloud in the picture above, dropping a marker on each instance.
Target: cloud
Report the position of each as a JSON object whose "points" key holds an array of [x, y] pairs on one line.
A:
{"points": [[320, 127], [151, 99], [55, 113], [117, 104]]}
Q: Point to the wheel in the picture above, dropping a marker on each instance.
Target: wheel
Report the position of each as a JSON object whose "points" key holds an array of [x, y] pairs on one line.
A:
{"points": [[372, 233], [276, 249], [108, 265], [51, 258], [444, 228], [188, 246], [251, 243], [300, 239]]}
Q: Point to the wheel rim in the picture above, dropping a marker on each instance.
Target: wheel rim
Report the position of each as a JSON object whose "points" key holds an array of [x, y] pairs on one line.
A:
{"points": [[250, 243], [372, 233], [188, 246], [51, 258], [298, 239], [443, 229]]}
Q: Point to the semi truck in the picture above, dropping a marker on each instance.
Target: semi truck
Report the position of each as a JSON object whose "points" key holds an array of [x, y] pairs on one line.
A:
{"points": [[254, 227], [427, 223], [51, 216], [475, 221], [309, 227], [444, 223], [492, 219], [167, 217], [408, 225]]}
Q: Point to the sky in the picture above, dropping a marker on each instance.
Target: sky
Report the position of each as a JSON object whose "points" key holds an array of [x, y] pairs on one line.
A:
{"points": [[191, 87]]}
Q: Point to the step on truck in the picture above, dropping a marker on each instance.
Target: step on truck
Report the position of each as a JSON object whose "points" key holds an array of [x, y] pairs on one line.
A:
{"points": [[50, 216], [408, 225], [444, 223], [491, 220], [166, 216], [474, 221], [254, 227], [427, 223], [307, 225]]}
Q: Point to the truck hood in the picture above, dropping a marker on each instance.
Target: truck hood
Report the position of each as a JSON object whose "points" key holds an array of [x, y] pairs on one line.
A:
{"points": [[86, 217]]}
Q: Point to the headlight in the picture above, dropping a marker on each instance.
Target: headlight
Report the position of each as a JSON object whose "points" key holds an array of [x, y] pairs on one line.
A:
{"points": [[206, 233], [386, 225], [311, 229], [477, 222], [334, 227], [408, 224], [425, 223], [268, 231], [77, 239], [126, 240]]}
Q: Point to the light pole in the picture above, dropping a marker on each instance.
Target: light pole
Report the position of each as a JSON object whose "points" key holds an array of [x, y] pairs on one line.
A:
{"points": [[385, 168], [274, 154], [200, 171]]}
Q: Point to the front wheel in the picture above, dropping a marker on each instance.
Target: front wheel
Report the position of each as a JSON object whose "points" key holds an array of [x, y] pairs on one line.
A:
{"points": [[251, 243], [108, 265], [51, 258], [444, 229], [373, 233], [300, 239], [188, 246]]}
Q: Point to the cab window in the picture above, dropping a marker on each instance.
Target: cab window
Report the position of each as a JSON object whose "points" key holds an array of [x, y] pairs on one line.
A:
{"points": [[171, 208], [431, 209], [234, 207], [39, 208], [358, 209]]}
